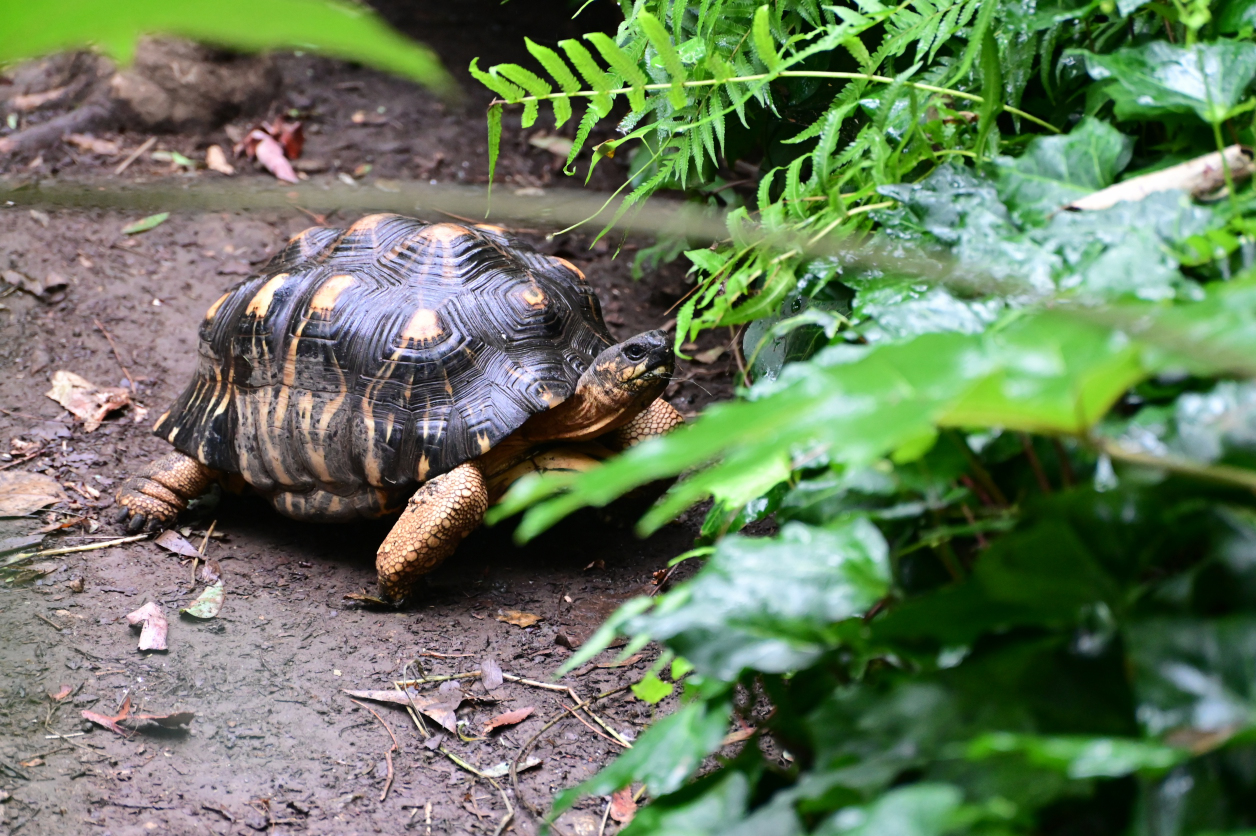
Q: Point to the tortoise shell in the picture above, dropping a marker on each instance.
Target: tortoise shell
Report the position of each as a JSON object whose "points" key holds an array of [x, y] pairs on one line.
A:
{"points": [[359, 363]]}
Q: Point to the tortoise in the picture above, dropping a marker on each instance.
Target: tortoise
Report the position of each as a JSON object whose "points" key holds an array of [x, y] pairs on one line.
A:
{"points": [[399, 365]]}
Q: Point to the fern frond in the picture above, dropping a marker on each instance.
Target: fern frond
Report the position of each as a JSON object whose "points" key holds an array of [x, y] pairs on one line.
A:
{"points": [[764, 44], [593, 75], [560, 72], [661, 41], [623, 64]]}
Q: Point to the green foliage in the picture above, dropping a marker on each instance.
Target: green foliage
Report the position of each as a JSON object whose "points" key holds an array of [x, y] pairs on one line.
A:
{"points": [[1013, 584], [339, 29]]}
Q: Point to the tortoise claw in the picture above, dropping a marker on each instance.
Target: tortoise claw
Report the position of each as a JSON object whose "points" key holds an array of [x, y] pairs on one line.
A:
{"points": [[121, 515], [136, 523]]}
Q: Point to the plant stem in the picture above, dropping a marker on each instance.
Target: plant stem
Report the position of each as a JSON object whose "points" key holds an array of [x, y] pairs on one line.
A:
{"points": [[708, 82]]}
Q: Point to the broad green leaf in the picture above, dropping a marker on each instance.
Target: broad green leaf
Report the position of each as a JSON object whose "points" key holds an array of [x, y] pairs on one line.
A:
{"points": [[1158, 78], [805, 577], [145, 224], [1056, 170], [652, 690], [1193, 676], [915, 810], [1237, 16], [664, 756], [1082, 757], [712, 806], [338, 29]]}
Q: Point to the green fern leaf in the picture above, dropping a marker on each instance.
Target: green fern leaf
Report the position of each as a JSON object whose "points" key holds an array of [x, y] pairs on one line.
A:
{"points": [[534, 84], [510, 92], [559, 71], [592, 73], [860, 53], [623, 64], [718, 110], [975, 40], [494, 142], [661, 42], [763, 198], [764, 45]]}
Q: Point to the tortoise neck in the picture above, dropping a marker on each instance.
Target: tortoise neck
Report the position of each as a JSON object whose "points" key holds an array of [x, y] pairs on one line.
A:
{"points": [[592, 410]]}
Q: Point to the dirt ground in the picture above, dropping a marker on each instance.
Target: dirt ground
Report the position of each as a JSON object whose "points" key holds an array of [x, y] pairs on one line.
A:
{"points": [[276, 746]]}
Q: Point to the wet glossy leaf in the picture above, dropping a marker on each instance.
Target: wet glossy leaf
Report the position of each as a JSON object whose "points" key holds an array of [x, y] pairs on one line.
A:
{"points": [[652, 690], [1082, 757], [1056, 170], [803, 578], [918, 810], [665, 755], [1159, 79]]}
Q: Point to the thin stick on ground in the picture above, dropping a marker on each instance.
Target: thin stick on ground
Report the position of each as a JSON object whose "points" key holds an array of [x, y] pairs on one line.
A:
{"points": [[596, 731], [135, 155], [576, 698], [88, 547], [383, 796], [532, 741], [117, 355], [605, 815]]}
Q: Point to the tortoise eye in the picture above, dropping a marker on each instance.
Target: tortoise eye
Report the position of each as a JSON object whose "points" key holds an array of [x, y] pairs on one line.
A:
{"points": [[635, 353]]}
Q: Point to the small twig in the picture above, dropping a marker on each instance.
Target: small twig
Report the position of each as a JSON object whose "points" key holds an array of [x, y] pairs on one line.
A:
{"points": [[1067, 476], [576, 697], [605, 815], [88, 547], [1027, 444], [596, 731], [49, 622], [387, 755], [117, 355], [125, 164]]}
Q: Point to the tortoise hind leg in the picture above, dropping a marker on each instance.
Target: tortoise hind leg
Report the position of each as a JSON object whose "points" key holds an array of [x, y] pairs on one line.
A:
{"points": [[441, 513], [160, 491]]}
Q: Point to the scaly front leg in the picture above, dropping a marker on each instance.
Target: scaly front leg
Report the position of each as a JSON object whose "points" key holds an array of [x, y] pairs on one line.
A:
{"points": [[160, 491], [441, 513], [659, 418]]}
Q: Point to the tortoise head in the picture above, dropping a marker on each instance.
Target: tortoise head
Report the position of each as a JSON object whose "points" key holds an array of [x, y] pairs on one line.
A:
{"points": [[623, 380], [634, 371]]}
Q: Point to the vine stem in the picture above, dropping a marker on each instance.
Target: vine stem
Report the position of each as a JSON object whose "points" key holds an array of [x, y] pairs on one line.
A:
{"points": [[709, 82]]}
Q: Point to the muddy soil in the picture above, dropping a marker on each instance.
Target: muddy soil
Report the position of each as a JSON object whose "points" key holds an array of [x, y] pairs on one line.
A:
{"points": [[276, 746]]}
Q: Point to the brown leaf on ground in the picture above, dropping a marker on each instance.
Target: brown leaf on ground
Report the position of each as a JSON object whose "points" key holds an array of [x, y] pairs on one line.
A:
{"points": [[89, 143], [216, 160], [510, 718], [171, 540], [631, 660], [518, 618], [65, 691], [490, 673], [32, 762], [86, 400], [440, 708], [623, 808], [68, 522], [210, 572], [710, 355], [111, 723], [270, 154], [177, 720], [153, 635], [22, 493], [46, 290]]}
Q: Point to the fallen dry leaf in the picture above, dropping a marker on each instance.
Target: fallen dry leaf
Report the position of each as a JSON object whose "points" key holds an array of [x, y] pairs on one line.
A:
{"points": [[65, 691], [111, 723], [22, 493], [87, 142], [710, 355], [744, 733], [270, 154], [46, 290], [216, 160], [86, 400], [361, 117], [26, 102], [518, 618], [490, 673], [631, 660], [510, 718], [208, 604], [1200, 176], [440, 708], [32, 762], [559, 146], [153, 635], [210, 572], [166, 721], [171, 540], [623, 808]]}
